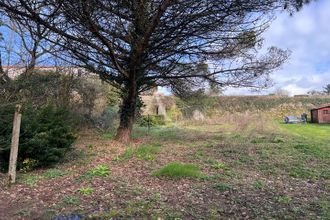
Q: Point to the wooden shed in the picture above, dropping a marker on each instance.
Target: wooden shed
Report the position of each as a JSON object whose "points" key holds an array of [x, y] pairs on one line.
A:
{"points": [[321, 114]]}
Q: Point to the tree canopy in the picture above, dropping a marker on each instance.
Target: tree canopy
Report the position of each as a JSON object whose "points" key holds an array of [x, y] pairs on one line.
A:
{"points": [[327, 89], [136, 45]]}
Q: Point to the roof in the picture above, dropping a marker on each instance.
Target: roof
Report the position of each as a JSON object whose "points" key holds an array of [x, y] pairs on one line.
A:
{"points": [[322, 106]]}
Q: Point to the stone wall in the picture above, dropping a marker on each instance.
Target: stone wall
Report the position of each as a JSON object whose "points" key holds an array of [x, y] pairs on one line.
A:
{"points": [[157, 104]]}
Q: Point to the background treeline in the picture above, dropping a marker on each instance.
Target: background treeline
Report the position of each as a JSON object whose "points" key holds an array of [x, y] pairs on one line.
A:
{"points": [[252, 103]]}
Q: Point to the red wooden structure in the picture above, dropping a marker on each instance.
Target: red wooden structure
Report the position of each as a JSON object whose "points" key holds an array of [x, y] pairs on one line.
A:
{"points": [[321, 114]]}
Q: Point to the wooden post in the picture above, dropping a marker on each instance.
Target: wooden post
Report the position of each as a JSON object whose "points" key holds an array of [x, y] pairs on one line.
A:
{"points": [[14, 145]]}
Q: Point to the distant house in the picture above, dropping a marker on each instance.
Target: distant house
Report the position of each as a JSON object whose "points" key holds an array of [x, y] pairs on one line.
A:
{"points": [[321, 114], [15, 71], [157, 103]]}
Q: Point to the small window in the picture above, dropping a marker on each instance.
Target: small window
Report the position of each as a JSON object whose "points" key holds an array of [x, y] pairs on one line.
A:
{"points": [[326, 112]]}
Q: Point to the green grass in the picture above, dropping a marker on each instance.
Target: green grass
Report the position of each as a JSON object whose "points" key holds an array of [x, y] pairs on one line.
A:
{"points": [[302, 172], [53, 174], [29, 179], [148, 152], [86, 191], [222, 187], [218, 166], [310, 131], [324, 205], [71, 200], [128, 154], [179, 170], [143, 152], [258, 184], [159, 132], [284, 199], [253, 169]]}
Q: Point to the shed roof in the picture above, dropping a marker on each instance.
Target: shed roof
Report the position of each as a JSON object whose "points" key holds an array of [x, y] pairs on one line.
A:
{"points": [[322, 106]]}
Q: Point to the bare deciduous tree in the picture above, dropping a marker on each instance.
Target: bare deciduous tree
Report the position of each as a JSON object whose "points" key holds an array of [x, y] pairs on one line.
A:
{"points": [[25, 43], [135, 45]]}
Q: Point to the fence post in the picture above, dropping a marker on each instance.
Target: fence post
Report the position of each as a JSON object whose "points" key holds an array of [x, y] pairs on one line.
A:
{"points": [[14, 145]]}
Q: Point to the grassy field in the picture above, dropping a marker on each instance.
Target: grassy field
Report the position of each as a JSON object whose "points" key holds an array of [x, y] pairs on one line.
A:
{"points": [[219, 171], [311, 131]]}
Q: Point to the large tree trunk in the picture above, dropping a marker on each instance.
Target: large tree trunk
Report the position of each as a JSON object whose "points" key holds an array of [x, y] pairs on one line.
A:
{"points": [[127, 113]]}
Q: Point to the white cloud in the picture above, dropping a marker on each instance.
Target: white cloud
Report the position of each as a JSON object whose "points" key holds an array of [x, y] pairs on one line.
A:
{"points": [[307, 35]]}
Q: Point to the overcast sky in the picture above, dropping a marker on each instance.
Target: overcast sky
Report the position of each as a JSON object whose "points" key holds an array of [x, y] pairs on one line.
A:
{"points": [[307, 35]]}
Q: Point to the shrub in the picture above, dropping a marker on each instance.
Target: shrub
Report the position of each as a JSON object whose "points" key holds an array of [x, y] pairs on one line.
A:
{"points": [[87, 97], [109, 119], [151, 120], [46, 136], [179, 170]]}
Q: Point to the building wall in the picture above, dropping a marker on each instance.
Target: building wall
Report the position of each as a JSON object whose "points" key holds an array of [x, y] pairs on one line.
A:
{"points": [[324, 115], [157, 104], [15, 71]]}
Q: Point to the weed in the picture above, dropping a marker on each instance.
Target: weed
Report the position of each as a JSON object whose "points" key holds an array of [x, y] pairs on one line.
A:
{"points": [[137, 191], [218, 166], [71, 200], [48, 214], [144, 152], [176, 215], [86, 191], [310, 149], [222, 187], [90, 146], [199, 154], [325, 208], [147, 152], [24, 213], [268, 168], [100, 170], [53, 174], [325, 174], [179, 170], [259, 140], [258, 184], [213, 177], [128, 154], [284, 199], [108, 136], [296, 210], [29, 179], [278, 140], [29, 164], [301, 172]]}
